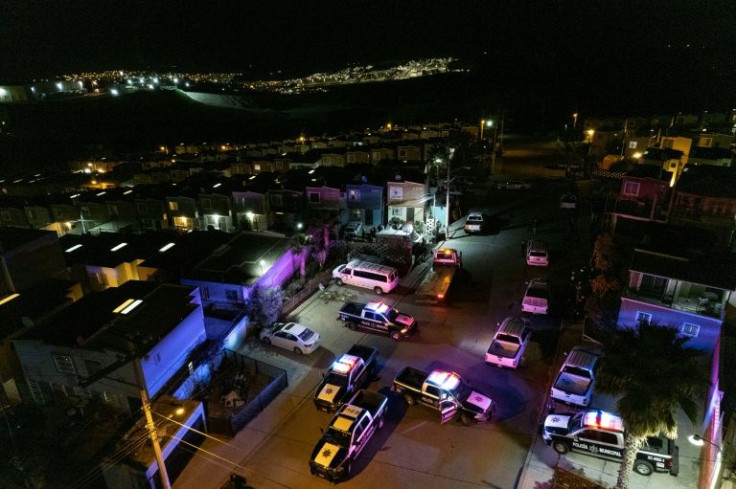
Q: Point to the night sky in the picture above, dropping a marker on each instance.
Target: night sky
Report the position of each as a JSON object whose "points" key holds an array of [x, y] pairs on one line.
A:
{"points": [[48, 37]]}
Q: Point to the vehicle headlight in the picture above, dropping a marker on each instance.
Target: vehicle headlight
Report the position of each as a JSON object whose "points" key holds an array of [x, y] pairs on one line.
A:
{"points": [[404, 330]]}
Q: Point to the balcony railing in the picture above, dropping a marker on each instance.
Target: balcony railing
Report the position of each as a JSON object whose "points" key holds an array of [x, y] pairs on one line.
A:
{"points": [[694, 303]]}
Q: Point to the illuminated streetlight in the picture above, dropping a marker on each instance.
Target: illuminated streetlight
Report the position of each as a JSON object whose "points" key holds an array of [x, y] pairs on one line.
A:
{"points": [[699, 441]]}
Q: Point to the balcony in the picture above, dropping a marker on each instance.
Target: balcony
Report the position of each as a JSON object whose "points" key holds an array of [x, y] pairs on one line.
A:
{"points": [[699, 301]]}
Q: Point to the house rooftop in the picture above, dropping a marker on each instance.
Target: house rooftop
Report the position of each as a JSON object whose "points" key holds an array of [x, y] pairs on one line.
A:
{"points": [[34, 304], [93, 322], [11, 238], [708, 181], [239, 262]]}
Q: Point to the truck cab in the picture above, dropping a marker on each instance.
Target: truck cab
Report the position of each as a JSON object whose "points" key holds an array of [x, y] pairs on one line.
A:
{"points": [[347, 435], [602, 434], [347, 374], [445, 392]]}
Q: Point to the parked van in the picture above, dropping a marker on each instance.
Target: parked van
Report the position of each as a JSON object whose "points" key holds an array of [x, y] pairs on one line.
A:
{"points": [[380, 278]]}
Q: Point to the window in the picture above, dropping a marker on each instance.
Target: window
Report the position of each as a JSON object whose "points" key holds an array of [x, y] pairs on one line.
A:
{"points": [[631, 188], [92, 366], [609, 438], [353, 194], [690, 329], [111, 398], [632, 144], [433, 391], [314, 197], [706, 142], [64, 364], [667, 143], [173, 205], [276, 199], [231, 295], [206, 204], [256, 167], [643, 317], [396, 193]]}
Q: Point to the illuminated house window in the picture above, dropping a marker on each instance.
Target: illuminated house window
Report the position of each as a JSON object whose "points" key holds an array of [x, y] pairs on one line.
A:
{"points": [[354, 194], [173, 206], [643, 317], [690, 329], [631, 188], [64, 364], [632, 144]]}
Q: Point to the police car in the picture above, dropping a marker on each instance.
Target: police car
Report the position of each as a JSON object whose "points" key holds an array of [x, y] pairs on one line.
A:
{"points": [[601, 434]]}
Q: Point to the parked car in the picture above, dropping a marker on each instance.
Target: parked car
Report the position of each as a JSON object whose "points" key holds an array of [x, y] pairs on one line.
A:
{"points": [[514, 185], [536, 297], [291, 336], [536, 253], [509, 343], [476, 222], [353, 229], [569, 201]]}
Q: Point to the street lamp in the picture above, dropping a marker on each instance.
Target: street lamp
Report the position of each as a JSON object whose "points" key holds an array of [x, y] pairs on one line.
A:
{"points": [[699, 441]]}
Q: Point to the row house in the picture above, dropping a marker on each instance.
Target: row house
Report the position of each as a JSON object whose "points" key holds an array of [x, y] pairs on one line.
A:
{"points": [[715, 140], [333, 159], [286, 208], [409, 153], [705, 198], [406, 201], [112, 345], [252, 210], [678, 143], [365, 203], [152, 214], [357, 157], [323, 205], [643, 196], [382, 154], [711, 156], [13, 214], [216, 212], [183, 211], [689, 293]]}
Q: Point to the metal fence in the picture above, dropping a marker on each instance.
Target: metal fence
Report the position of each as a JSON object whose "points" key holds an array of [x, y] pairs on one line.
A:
{"points": [[254, 368], [310, 286]]}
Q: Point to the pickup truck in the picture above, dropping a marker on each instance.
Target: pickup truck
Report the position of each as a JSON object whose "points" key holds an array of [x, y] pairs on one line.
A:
{"points": [[575, 381], [444, 392], [347, 435], [350, 372], [602, 434], [377, 317], [435, 285], [509, 343]]}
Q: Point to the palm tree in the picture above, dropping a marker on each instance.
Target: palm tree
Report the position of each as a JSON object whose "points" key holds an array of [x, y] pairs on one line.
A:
{"points": [[653, 374], [437, 155]]}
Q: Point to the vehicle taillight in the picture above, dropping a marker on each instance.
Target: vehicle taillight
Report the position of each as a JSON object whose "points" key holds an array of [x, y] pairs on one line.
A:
{"points": [[440, 296], [669, 463]]}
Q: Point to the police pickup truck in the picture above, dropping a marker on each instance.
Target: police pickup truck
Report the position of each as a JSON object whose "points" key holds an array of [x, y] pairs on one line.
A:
{"points": [[601, 434], [436, 284], [350, 372], [446, 393], [377, 317], [347, 435]]}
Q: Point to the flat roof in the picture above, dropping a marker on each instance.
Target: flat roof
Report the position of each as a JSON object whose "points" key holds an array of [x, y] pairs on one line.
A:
{"points": [[92, 323]]}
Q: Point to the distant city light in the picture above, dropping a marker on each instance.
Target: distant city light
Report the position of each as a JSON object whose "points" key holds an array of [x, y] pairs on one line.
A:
{"points": [[59, 85], [114, 91], [176, 79]]}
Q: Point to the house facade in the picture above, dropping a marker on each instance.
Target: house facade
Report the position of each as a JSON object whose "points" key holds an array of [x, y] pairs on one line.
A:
{"points": [[365, 203], [406, 201], [676, 291]]}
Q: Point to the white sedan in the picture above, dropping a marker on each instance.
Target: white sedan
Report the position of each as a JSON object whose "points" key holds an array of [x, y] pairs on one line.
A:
{"points": [[514, 185], [291, 336]]}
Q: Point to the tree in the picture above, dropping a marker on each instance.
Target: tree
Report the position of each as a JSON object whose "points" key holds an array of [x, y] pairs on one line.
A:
{"points": [[297, 246], [605, 253], [437, 156], [653, 374], [265, 304]]}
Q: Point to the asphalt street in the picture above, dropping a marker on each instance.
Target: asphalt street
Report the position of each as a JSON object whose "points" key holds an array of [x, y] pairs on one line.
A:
{"points": [[414, 450]]}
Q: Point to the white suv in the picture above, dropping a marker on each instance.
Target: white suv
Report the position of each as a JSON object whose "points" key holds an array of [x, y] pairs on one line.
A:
{"points": [[536, 297], [536, 253]]}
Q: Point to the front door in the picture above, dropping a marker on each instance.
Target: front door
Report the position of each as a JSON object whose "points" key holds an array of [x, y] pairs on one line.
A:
{"points": [[448, 409]]}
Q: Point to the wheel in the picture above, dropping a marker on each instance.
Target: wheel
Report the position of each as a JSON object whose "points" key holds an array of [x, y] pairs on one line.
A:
{"points": [[561, 447], [643, 467], [338, 281], [409, 400], [351, 325], [266, 340], [464, 419], [395, 335], [378, 290], [298, 350], [380, 422]]}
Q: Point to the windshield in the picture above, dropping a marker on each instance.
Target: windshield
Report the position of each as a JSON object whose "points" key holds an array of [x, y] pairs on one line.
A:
{"points": [[576, 422], [475, 218], [339, 438], [461, 392], [336, 379], [391, 314]]}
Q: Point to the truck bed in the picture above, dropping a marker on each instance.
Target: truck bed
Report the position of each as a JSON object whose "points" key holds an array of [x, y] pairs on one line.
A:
{"points": [[352, 309], [369, 400], [436, 283], [367, 353], [504, 349], [411, 377], [572, 384]]}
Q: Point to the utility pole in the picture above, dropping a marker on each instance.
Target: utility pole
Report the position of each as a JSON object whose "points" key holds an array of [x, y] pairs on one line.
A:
{"points": [[150, 426], [447, 202]]}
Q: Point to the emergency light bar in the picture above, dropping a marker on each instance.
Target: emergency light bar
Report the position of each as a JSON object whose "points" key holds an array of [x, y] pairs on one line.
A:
{"points": [[603, 420], [444, 380], [345, 364], [378, 307]]}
